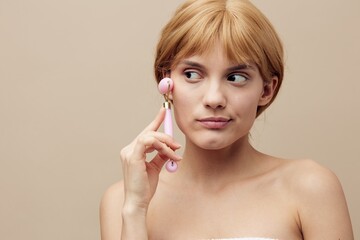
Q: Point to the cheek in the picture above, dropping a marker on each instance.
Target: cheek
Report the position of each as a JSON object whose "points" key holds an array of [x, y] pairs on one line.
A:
{"points": [[182, 94], [182, 104], [249, 100], [180, 97]]}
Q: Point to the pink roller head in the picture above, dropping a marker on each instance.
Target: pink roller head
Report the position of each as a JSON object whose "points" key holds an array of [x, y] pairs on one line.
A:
{"points": [[165, 85], [171, 166]]}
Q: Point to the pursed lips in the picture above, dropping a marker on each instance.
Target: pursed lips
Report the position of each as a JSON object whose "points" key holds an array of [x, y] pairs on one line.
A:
{"points": [[214, 122]]}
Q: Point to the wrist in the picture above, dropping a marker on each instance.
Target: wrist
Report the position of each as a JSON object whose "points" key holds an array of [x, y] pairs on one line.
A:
{"points": [[134, 222], [131, 210]]}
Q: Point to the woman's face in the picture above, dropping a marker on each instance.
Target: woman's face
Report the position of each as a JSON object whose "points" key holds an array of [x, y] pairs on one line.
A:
{"points": [[215, 101]]}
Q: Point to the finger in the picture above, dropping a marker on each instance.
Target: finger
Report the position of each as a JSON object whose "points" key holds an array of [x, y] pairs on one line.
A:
{"points": [[165, 152], [165, 138], [153, 126], [157, 163], [156, 123], [144, 143], [161, 144]]}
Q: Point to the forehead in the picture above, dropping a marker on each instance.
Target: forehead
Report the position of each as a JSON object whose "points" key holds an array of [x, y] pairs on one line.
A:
{"points": [[229, 50]]}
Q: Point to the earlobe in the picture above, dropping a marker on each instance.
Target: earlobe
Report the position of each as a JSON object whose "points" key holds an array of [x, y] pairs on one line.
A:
{"points": [[268, 91]]}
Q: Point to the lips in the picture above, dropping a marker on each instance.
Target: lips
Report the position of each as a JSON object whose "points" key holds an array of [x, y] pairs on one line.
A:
{"points": [[214, 122]]}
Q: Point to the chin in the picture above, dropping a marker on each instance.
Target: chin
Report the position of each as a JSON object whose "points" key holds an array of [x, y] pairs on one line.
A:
{"points": [[214, 144], [217, 142]]}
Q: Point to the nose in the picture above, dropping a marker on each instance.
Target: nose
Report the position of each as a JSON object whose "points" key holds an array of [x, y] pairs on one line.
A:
{"points": [[214, 96]]}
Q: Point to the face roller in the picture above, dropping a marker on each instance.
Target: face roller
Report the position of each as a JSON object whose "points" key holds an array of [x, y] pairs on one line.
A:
{"points": [[165, 86]]}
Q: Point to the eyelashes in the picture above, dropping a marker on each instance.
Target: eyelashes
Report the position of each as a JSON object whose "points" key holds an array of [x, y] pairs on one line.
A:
{"points": [[192, 75], [238, 78]]}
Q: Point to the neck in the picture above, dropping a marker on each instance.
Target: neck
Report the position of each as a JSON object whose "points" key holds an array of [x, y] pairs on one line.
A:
{"points": [[218, 166]]}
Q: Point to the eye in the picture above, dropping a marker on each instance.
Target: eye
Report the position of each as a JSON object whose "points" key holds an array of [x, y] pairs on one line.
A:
{"points": [[237, 78], [192, 75]]}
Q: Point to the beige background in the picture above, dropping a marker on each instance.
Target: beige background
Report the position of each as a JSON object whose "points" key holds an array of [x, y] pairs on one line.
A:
{"points": [[76, 85]]}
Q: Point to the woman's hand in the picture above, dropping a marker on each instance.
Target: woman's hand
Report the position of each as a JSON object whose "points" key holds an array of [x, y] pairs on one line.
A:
{"points": [[141, 176], [124, 206]]}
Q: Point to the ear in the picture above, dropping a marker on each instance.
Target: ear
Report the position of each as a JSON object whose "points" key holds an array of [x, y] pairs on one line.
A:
{"points": [[268, 91]]}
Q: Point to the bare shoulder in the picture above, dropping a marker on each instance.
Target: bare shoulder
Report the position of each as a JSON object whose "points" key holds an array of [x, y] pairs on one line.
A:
{"points": [[306, 178], [110, 211], [309, 180], [309, 176], [320, 200], [113, 193]]}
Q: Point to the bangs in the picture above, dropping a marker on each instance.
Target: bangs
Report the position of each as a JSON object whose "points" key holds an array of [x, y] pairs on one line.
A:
{"points": [[200, 34]]}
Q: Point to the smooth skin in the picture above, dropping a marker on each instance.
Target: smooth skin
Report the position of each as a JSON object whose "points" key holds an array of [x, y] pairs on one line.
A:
{"points": [[223, 188]]}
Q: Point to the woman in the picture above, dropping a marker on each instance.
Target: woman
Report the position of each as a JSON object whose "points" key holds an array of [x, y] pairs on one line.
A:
{"points": [[226, 62]]}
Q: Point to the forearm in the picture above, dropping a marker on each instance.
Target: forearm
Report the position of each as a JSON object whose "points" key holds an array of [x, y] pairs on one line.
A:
{"points": [[134, 224]]}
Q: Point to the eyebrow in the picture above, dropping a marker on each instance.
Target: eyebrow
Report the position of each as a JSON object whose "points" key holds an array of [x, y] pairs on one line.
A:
{"points": [[233, 68]]}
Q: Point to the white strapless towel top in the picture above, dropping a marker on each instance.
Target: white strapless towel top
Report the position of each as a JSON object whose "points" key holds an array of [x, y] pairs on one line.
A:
{"points": [[242, 238]]}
